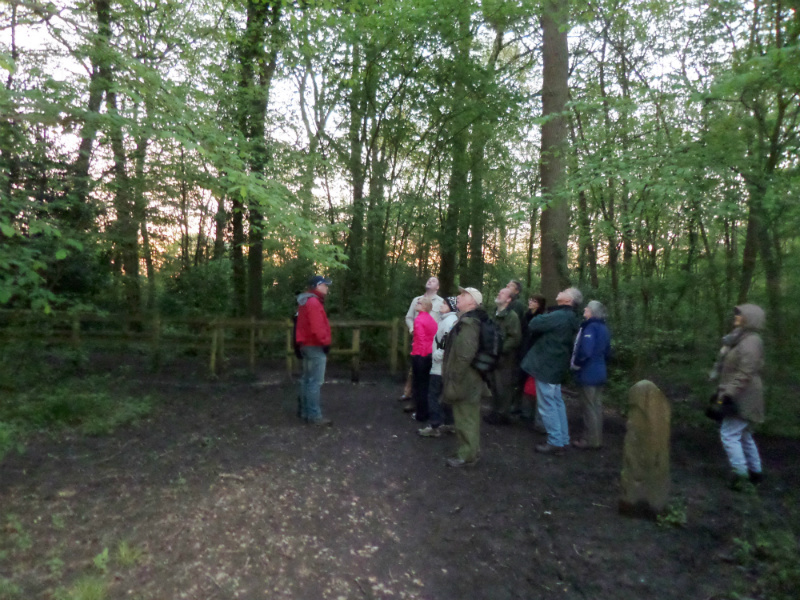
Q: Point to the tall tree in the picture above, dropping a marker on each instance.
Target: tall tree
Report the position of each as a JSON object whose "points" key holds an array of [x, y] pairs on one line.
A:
{"points": [[555, 144]]}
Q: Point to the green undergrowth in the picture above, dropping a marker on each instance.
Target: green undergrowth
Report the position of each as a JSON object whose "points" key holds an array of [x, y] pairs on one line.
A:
{"points": [[48, 392], [682, 373], [768, 546]]}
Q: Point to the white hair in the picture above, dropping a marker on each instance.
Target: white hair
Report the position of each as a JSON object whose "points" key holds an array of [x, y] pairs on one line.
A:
{"points": [[597, 309], [574, 295]]}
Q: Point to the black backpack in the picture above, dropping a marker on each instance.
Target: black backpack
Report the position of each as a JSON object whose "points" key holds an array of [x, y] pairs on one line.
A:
{"points": [[490, 345]]}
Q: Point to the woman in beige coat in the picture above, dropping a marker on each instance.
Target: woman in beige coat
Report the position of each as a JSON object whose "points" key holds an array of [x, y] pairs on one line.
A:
{"points": [[740, 364]]}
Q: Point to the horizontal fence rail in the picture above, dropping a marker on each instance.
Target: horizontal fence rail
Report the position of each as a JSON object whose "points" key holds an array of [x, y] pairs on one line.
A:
{"points": [[217, 336]]}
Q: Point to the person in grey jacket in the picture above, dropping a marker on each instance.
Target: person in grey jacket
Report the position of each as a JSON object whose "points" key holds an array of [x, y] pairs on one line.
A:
{"points": [[740, 388]]}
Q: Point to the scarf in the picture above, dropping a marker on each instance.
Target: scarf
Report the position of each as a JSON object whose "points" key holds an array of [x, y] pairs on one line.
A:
{"points": [[728, 342]]}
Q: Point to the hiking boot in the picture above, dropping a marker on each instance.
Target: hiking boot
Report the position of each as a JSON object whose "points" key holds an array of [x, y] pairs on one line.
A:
{"points": [[496, 418], [755, 477], [429, 431], [321, 423], [550, 449], [457, 463], [447, 428]]}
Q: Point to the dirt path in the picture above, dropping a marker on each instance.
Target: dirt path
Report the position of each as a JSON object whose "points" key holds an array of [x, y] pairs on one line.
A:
{"points": [[225, 494]]}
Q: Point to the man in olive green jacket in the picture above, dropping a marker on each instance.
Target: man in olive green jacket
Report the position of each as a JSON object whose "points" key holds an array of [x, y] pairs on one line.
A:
{"points": [[462, 385], [505, 378]]}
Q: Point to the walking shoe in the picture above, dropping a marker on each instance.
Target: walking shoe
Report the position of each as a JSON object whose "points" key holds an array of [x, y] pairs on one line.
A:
{"points": [[496, 418], [756, 477], [550, 449], [457, 463], [409, 407], [429, 431], [447, 428], [321, 423], [404, 398]]}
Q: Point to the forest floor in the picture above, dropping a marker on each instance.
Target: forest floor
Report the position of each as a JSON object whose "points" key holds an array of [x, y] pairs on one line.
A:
{"points": [[223, 493]]}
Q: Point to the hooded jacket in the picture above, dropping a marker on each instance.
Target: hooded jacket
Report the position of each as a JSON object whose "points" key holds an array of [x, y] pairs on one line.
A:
{"points": [[740, 374], [313, 328]]}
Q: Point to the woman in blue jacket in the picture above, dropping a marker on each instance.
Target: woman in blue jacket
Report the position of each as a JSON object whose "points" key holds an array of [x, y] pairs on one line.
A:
{"points": [[592, 350]]}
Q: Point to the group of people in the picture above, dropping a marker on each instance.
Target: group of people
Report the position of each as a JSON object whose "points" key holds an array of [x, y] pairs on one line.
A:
{"points": [[445, 388], [541, 345]]}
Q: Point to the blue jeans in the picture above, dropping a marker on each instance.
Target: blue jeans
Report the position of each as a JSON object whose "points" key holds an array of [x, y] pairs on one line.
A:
{"points": [[438, 413], [314, 359], [554, 413], [737, 439]]}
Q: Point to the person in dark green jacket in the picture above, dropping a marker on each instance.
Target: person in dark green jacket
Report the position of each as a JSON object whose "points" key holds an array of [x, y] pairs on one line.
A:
{"points": [[462, 385], [504, 380], [552, 336]]}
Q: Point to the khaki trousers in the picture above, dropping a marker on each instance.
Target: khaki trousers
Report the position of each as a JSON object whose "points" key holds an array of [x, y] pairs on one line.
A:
{"points": [[591, 397], [467, 417]]}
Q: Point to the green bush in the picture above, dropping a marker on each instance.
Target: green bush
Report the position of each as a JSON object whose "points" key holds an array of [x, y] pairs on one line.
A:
{"points": [[87, 405]]}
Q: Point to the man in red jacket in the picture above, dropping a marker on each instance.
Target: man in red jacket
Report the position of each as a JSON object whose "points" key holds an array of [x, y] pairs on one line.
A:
{"points": [[313, 338]]}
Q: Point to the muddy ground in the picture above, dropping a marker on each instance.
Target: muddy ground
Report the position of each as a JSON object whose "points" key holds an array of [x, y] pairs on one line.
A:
{"points": [[223, 493]]}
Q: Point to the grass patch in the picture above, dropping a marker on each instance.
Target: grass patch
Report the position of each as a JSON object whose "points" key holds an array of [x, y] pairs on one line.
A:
{"points": [[88, 587], [50, 392], [127, 555], [9, 590], [88, 405]]}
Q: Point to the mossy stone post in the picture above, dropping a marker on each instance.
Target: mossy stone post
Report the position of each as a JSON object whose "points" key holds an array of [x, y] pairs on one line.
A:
{"points": [[645, 461]]}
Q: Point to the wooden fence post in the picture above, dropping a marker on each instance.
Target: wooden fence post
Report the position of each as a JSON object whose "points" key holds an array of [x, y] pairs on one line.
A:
{"points": [[356, 364], [393, 346], [405, 349], [76, 331], [252, 344], [155, 356], [289, 350], [213, 365], [221, 344]]}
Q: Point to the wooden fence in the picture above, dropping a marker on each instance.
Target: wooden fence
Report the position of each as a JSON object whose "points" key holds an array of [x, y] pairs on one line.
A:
{"points": [[216, 336]]}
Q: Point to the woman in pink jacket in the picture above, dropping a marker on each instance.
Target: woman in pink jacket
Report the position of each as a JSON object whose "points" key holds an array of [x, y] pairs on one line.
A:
{"points": [[421, 357]]}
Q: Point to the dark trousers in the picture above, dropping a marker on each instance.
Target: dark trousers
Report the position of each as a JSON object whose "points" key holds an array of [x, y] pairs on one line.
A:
{"points": [[439, 414], [421, 374]]}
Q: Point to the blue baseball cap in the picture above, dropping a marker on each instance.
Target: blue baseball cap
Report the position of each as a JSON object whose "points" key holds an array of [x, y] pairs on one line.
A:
{"points": [[316, 280]]}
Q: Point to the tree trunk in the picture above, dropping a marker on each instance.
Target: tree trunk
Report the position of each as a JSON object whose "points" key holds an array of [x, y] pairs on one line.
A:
{"points": [[258, 60], [82, 214], [555, 217]]}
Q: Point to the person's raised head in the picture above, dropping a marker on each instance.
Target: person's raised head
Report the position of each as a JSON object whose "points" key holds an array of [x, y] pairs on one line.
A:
{"points": [[504, 298], [569, 297], [432, 285], [469, 299], [516, 288]]}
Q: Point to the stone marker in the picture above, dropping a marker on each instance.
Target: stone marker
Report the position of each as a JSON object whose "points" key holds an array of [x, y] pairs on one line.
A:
{"points": [[645, 460]]}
